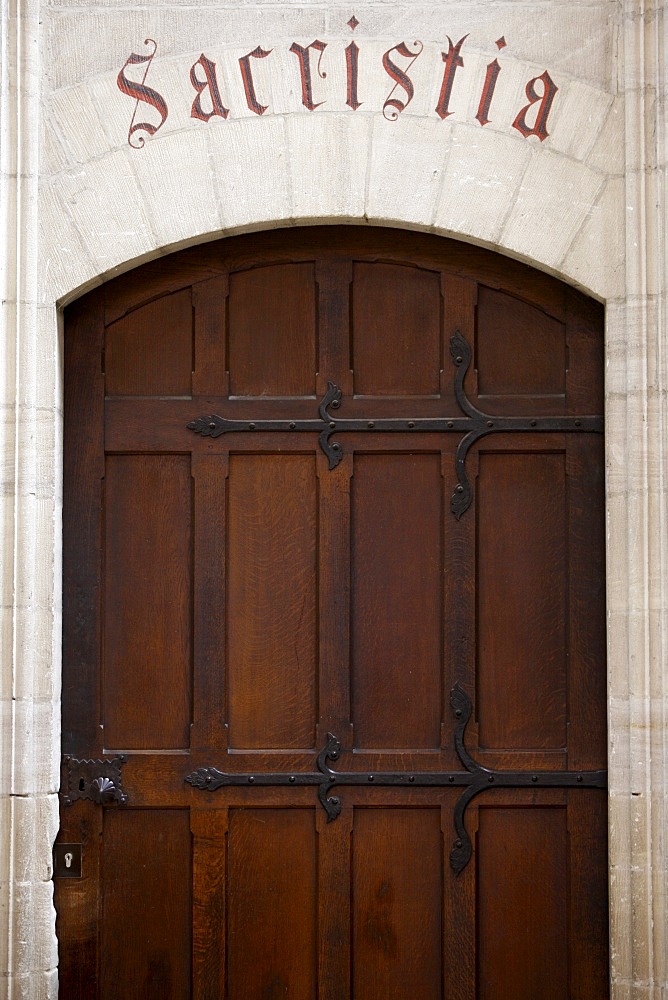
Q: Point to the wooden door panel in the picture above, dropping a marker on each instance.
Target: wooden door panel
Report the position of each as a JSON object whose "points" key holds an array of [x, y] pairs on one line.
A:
{"points": [[522, 353], [397, 603], [522, 585], [272, 903], [231, 599], [396, 330], [397, 858], [272, 599], [150, 352], [272, 331], [148, 601], [146, 922], [522, 878]]}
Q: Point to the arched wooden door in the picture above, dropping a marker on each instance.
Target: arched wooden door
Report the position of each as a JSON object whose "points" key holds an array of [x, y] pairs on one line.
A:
{"points": [[334, 661]]}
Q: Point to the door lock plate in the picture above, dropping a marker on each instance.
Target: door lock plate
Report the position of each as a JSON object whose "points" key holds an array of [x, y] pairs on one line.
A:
{"points": [[67, 860]]}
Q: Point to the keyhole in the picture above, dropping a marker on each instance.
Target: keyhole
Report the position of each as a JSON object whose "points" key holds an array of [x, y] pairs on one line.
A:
{"points": [[68, 859]]}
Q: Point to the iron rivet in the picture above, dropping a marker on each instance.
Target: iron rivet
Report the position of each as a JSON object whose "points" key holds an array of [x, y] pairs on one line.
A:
{"points": [[458, 843], [490, 778], [332, 778], [371, 777], [336, 447], [292, 425], [335, 404], [490, 423], [579, 777], [292, 779], [459, 360], [534, 777], [411, 778], [460, 489], [533, 423], [371, 424], [212, 426], [251, 427], [251, 779], [411, 424], [335, 800], [450, 424], [451, 779], [458, 712], [577, 423], [209, 779], [332, 424]]}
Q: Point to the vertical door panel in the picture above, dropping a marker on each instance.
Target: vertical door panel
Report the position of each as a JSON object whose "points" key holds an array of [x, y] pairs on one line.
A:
{"points": [[523, 925], [272, 331], [396, 600], [148, 601], [396, 903], [272, 904], [146, 912], [396, 330], [522, 599], [271, 616]]}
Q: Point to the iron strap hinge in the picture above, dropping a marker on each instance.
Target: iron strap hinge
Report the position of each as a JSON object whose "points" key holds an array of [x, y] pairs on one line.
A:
{"points": [[474, 779], [474, 425]]}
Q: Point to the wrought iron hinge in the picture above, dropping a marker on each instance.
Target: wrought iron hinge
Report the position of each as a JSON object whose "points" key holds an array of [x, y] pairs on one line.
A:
{"points": [[475, 424], [475, 779], [97, 780]]}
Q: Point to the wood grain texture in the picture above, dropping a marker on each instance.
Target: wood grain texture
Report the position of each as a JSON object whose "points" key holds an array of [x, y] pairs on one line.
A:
{"points": [[272, 904], [272, 331], [271, 614], [522, 594], [148, 599], [146, 922], [396, 900], [150, 352], [396, 330], [396, 600], [522, 866]]}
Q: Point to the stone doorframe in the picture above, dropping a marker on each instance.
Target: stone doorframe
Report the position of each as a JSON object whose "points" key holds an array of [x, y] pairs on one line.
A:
{"points": [[617, 252]]}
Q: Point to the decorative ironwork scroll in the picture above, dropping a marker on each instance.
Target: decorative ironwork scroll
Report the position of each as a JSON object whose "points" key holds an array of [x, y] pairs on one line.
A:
{"points": [[475, 779], [97, 780], [474, 425]]}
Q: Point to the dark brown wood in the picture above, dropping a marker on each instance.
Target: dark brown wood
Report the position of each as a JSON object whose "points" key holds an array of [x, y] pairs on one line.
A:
{"points": [[272, 904], [209, 831], [396, 330], [230, 601], [145, 927], [271, 617], [150, 352], [396, 901], [148, 598], [396, 601]]}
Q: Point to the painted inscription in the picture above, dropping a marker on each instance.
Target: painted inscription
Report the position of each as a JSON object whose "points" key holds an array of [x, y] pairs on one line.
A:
{"points": [[397, 62]]}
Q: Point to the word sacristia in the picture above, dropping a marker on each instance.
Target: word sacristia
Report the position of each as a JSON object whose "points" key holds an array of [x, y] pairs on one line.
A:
{"points": [[396, 62]]}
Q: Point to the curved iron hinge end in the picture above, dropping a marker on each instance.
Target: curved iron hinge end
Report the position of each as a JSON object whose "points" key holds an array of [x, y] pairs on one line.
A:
{"points": [[460, 351], [462, 849], [330, 803]]}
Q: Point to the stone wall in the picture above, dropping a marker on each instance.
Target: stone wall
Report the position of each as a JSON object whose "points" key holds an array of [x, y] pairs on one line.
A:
{"points": [[581, 194]]}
